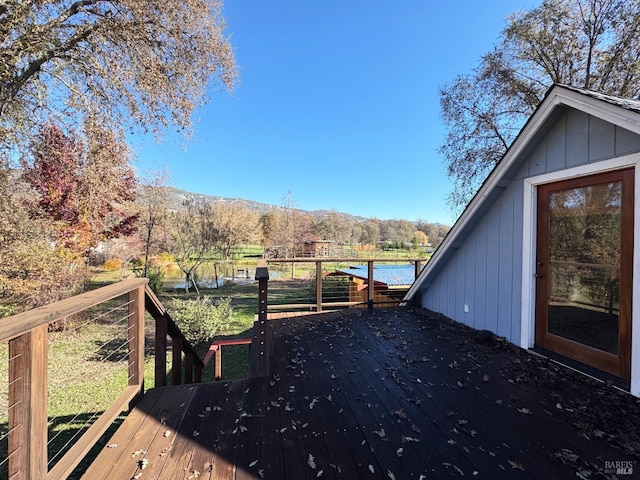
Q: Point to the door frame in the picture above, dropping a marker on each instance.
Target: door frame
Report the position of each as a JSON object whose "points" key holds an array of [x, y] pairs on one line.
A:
{"points": [[617, 364], [529, 230]]}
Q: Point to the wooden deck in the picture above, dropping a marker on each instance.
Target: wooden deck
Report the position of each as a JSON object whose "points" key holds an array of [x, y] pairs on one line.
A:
{"points": [[396, 394]]}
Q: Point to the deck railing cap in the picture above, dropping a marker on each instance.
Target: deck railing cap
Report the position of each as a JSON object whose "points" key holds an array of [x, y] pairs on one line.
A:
{"points": [[262, 271]]}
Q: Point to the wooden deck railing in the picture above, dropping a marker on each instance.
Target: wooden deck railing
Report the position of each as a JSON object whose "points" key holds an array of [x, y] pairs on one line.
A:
{"points": [[369, 300], [27, 336]]}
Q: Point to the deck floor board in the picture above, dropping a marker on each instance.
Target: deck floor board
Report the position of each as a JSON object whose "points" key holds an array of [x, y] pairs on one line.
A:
{"points": [[394, 394]]}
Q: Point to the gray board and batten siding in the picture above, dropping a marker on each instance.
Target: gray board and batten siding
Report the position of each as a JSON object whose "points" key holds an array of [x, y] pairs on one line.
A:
{"points": [[485, 270], [477, 276]]}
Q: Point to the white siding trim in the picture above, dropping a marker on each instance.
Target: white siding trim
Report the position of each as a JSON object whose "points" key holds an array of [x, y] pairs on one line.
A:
{"points": [[528, 302], [635, 306], [529, 216]]}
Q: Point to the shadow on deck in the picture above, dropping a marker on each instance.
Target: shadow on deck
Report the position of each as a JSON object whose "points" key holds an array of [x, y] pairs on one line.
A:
{"points": [[393, 394]]}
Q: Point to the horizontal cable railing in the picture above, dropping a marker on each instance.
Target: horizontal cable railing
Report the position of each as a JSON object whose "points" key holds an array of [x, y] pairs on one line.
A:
{"points": [[314, 284], [95, 342]]}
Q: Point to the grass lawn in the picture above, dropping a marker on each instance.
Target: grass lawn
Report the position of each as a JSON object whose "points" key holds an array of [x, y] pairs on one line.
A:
{"points": [[88, 364], [244, 300]]}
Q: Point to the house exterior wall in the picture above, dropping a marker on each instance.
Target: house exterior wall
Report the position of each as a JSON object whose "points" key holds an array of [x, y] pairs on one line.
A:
{"points": [[481, 274], [482, 283]]}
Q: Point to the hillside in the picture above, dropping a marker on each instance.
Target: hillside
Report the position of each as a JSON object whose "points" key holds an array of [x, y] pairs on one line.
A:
{"points": [[180, 197], [389, 230]]}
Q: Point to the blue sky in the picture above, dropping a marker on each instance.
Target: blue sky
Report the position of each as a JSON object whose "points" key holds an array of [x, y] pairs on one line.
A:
{"points": [[337, 102]]}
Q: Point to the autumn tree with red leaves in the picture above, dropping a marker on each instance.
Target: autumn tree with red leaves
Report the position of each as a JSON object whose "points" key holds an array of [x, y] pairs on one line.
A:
{"points": [[85, 190]]}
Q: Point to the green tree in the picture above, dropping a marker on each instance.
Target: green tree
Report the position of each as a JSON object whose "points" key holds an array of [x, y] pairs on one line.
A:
{"points": [[371, 231], [334, 227], [125, 63], [200, 319], [191, 240], [435, 232], [33, 270], [590, 44], [153, 210], [419, 238], [232, 226], [287, 228]]}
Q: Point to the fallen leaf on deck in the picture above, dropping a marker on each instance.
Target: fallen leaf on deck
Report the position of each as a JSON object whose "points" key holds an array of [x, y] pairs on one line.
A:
{"points": [[311, 462], [516, 465], [400, 413]]}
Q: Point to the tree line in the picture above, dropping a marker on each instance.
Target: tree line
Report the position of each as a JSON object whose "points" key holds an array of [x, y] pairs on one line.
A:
{"points": [[76, 198], [588, 44]]}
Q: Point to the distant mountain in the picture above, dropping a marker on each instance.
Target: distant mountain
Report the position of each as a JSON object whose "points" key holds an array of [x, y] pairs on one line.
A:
{"points": [[390, 230], [179, 197]]}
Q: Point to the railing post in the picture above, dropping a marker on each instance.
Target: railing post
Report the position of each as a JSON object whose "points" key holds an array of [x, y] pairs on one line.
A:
{"points": [[176, 360], [28, 359], [136, 338], [262, 275], [318, 285], [371, 288], [161, 351], [197, 373], [188, 367], [218, 363], [418, 268]]}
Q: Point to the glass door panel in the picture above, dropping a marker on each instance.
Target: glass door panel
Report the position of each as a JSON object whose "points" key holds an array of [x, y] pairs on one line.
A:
{"points": [[584, 264]]}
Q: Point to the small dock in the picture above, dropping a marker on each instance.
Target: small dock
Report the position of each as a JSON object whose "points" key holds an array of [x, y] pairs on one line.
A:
{"points": [[393, 394]]}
